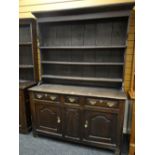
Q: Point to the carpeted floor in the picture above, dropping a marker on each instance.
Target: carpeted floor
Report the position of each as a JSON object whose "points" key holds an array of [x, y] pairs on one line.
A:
{"points": [[29, 145]]}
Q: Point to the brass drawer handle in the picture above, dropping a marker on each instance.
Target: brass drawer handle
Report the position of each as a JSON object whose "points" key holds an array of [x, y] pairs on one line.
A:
{"points": [[53, 97], [39, 96], [86, 124], [58, 120], [72, 99], [92, 102], [110, 104], [101, 101]]}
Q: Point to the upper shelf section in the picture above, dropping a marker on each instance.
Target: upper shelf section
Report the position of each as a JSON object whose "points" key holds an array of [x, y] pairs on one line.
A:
{"points": [[93, 34], [27, 51], [87, 13]]}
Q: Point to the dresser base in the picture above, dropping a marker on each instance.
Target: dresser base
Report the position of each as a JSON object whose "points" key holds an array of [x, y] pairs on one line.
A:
{"points": [[89, 116]]}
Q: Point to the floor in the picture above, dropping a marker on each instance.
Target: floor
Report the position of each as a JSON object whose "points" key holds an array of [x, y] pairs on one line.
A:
{"points": [[29, 145]]}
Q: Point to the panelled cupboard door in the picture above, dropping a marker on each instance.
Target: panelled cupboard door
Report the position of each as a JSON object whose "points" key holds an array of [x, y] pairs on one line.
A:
{"points": [[48, 118], [100, 127], [72, 123]]}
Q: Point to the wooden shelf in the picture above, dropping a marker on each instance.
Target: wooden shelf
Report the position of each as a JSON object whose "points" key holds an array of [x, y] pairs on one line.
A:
{"points": [[51, 17], [23, 81], [96, 79], [25, 84], [25, 44], [82, 47], [26, 66], [82, 63]]}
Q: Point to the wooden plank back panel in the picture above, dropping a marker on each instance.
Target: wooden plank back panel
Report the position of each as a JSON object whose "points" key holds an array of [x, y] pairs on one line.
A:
{"points": [[24, 33], [97, 33], [25, 55], [96, 55]]}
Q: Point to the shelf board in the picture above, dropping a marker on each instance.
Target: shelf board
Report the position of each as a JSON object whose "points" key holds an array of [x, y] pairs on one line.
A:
{"points": [[50, 17], [25, 43], [81, 47], [26, 66], [23, 81], [96, 79], [25, 84], [82, 63]]}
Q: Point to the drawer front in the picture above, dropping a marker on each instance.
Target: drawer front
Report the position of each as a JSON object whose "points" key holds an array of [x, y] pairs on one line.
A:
{"points": [[102, 102], [47, 96], [72, 99]]}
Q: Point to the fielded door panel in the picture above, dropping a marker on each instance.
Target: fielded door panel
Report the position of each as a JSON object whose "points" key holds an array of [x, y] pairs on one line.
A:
{"points": [[72, 123], [48, 118], [100, 127]]}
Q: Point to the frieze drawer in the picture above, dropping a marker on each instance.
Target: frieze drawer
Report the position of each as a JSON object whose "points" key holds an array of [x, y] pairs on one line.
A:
{"points": [[102, 102], [46, 96], [72, 99]]}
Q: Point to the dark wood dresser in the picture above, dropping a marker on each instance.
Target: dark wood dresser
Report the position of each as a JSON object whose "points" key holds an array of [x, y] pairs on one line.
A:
{"points": [[28, 72], [80, 97]]}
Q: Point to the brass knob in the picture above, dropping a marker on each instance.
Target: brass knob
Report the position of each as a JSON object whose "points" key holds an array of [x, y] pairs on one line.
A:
{"points": [[72, 99], [86, 124], [53, 97], [58, 119], [101, 101], [110, 104], [92, 102]]}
